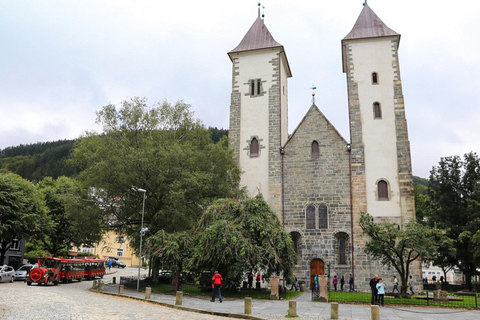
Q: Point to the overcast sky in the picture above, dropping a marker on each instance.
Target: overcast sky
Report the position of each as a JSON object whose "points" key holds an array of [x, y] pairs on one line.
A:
{"points": [[62, 60]]}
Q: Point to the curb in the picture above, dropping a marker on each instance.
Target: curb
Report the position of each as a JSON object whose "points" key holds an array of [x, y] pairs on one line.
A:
{"points": [[214, 313]]}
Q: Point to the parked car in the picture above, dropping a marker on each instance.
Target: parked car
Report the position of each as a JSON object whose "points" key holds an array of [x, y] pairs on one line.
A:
{"points": [[7, 274], [21, 273], [116, 263]]}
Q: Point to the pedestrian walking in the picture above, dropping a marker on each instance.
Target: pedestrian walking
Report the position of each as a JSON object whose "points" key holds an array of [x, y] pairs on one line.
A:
{"points": [[216, 286], [315, 281], [342, 283], [373, 287], [294, 283], [335, 281], [380, 291], [395, 284], [351, 282]]}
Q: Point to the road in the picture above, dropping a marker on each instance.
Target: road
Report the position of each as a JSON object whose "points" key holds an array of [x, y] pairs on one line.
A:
{"points": [[74, 301]]}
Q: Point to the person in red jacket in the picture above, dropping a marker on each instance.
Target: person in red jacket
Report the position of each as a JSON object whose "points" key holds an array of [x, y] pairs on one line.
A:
{"points": [[217, 284]]}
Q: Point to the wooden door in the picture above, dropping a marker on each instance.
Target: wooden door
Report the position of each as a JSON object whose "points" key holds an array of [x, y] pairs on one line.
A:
{"points": [[316, 267]]}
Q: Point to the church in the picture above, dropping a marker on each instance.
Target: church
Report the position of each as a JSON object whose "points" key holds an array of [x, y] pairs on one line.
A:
{"points": [[317, 181]]}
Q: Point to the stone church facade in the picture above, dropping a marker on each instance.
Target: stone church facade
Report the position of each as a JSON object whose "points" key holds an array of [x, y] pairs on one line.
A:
{"points": [[318, 182]]}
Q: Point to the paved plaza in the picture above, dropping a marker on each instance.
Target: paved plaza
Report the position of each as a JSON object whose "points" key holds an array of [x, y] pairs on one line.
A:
{"points": [[76, 301]]}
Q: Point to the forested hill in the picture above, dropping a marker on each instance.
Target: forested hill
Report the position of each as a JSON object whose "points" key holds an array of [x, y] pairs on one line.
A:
{"points": [[48, 159]]}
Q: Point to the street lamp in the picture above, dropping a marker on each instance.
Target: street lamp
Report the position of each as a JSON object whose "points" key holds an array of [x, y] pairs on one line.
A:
{"points": [[142, 232]]}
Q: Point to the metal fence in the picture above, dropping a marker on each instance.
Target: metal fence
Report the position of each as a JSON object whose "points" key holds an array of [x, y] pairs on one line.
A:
{"points": [[427, 298]]}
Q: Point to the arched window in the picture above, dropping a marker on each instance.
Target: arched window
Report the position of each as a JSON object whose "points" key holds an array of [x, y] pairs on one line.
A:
{"points": [[342, 256], [315, 150], [322, 217], [254, 148], [374, 78], [310, 217], [377, 111], [382, 186]]}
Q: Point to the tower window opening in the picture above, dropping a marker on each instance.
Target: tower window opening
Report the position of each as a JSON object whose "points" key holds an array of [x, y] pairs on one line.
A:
{"points": [[254, 148], [255, 87], [322, 217], [252, 88], [382, 187], [315, 150], [374, 78], [377, 111], [259, 87], [310, 217]]}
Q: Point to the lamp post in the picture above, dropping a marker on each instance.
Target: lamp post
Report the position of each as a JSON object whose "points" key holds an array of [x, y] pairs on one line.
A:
{"points": [[142, 232]]}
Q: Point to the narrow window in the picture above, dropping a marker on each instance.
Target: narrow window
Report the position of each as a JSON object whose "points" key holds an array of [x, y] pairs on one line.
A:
{"points": [[259, 87], [315, 150], [252, 87], [322, 217], [374, 78], [377, 111], [342, 257], [310, 217], [382, 190], [254, 148]]}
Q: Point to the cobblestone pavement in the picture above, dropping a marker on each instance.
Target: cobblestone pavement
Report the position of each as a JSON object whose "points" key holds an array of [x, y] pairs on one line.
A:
{"points": [[74, 301]]}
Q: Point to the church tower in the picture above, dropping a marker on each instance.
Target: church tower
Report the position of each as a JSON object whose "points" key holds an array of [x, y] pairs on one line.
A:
{"points": [[381, 173], [258, 111]]}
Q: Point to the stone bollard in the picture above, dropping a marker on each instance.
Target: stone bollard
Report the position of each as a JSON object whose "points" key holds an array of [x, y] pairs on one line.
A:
{"points": [[375, 313], [101, 286], [94, 286], [179, 296], [334, 310], [248, 305], [148, 293], [120, 289], [114, 280], [292, 308]]}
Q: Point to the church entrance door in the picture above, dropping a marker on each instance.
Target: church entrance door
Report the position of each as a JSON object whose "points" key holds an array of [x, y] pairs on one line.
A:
{"points": [[316, 267]]}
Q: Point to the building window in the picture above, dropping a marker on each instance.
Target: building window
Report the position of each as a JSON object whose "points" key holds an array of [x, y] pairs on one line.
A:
{"points": [[15, 245], [322, 217], [382, 187], [374, 78], [377, 111], [119, 252], [315, 150], [342, 256], [254, 148], [255, 87], [310, 217]]}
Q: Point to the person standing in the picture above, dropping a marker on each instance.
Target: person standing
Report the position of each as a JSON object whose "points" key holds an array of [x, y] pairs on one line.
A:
{"points": [[315, 281], [216, 286], [258, 281], [294, 283], [395, 284], [250, 280], [380, 291], [335, 281], [373, 287], [351, 283], [342, 283]]}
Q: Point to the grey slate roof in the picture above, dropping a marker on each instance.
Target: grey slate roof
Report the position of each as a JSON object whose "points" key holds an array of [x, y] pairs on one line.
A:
{"points": [[369, 25], [258, 37]]}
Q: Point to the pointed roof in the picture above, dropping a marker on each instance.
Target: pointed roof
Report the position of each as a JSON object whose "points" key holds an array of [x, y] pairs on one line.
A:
{"points": [[369, 25], [258, 37]]}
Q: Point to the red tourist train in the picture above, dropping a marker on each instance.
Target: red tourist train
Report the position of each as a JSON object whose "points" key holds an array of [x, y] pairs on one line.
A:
{"points": [[53, 270]]}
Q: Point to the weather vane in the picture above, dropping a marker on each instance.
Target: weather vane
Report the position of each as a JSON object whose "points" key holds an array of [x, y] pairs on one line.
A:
{"points": [[313, 93]]}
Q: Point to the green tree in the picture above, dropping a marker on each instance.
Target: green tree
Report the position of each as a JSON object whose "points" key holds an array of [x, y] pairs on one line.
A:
{"points": [[235, 237], [162, 149], [75, 221], [22, 210], [454, 193], [400, 247]]}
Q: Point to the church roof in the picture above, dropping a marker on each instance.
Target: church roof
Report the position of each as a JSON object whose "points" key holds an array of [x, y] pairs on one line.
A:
{"points": [[258, 37], [369, 25]]}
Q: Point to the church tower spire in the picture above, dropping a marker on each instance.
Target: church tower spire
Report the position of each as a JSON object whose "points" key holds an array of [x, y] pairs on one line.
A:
{"points": [[258, 110]]}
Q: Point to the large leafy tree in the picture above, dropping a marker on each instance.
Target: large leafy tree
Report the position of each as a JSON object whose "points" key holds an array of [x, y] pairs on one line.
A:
{"points": [[454, 193], [235, 237], [22, 210], [162, 149], [75, 220], [400, 247]]}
